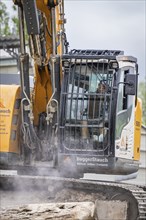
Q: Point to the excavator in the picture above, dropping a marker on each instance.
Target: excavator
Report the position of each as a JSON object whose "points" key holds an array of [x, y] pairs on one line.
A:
{"points": [[82, 114]]}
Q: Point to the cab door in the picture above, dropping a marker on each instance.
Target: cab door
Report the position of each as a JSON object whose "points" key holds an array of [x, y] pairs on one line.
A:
{"points": [[125, 115]]}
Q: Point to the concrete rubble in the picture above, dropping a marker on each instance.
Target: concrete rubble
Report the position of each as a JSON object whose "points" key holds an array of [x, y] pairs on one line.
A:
{"points": [[100, 210], [54, 211], [59, 204]]}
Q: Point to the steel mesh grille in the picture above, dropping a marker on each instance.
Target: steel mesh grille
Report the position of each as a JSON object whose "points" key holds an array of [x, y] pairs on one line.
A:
{"points": [[86, 106]]}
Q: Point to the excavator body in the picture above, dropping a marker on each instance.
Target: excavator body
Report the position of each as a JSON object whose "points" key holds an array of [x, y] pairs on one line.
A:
{"points": [[98, 117], [82, 115]]}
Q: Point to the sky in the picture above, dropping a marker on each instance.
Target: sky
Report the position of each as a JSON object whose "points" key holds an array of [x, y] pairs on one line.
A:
{"points": [[110, 24]]}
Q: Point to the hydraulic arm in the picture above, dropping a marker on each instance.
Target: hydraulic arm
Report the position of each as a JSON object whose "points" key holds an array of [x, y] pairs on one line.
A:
{"points": [[45, 34]]}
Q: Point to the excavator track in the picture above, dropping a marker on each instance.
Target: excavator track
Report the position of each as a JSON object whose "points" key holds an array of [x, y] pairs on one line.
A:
{"points": [[133, 194]]}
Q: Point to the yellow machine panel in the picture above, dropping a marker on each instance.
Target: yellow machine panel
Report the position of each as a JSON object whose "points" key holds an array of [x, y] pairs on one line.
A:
{"points": [[9, 118], [137, 128]]}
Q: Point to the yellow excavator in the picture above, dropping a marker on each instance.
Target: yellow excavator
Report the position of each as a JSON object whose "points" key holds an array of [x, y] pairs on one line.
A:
{"points": [[82, 115]]}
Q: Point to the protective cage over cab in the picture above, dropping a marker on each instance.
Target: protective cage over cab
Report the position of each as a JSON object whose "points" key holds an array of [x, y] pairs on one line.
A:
{"points": [[89, 125]]}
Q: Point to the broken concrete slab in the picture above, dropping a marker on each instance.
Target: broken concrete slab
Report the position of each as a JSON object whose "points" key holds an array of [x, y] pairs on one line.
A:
{"points": [[110, 210]]}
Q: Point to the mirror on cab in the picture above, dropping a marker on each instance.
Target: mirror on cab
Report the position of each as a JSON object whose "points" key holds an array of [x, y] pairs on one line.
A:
{"points": [[130, 84]]}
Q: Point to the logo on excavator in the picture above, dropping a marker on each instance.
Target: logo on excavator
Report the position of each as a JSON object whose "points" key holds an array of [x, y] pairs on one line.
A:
{"points": [[2, 105], [3, 108]]}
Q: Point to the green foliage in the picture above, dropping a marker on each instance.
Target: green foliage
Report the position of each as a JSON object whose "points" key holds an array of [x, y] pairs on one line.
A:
{"points": [[6, 22], [15, 21], [142, 95]]}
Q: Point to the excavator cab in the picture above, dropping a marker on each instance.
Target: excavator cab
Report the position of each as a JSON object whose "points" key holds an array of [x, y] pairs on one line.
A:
{"points": [[91, 123]]}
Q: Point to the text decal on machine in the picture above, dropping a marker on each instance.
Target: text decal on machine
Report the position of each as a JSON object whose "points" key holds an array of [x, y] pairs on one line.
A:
{"points": [[92, 161]]}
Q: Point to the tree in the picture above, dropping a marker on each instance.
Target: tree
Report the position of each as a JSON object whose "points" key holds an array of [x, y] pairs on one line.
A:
{"points": [[6, 22], [142, 95], [15, 21]]}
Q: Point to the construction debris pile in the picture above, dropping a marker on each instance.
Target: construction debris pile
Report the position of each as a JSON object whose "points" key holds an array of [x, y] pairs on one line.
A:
{"points": [[66, 205]]}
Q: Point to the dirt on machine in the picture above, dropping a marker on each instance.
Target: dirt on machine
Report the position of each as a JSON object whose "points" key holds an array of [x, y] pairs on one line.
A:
{"points": [[82, 115]]}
